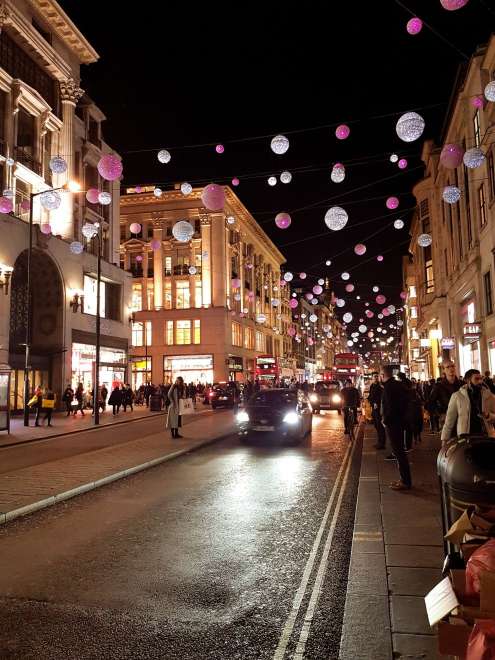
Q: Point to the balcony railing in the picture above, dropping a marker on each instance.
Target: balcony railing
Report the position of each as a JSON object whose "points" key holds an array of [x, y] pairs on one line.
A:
{"points": [[23, 155]]}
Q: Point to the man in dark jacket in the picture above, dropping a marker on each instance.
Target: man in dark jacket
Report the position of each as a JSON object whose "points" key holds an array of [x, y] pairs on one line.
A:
{"points": [[488, 380], [375, 399], [395, 401], [439, 398]]}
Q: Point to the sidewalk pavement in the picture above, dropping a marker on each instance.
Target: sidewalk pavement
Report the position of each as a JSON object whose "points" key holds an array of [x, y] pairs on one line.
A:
{"points": [[73, 424], [32, 488], [397, 557]]}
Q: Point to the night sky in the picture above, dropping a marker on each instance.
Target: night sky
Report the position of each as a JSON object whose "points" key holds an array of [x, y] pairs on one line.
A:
{"points": [[173, 77]]}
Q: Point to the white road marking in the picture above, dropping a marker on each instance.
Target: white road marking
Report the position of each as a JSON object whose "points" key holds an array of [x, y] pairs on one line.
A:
{"points": [[291, 620], [322, 569]]}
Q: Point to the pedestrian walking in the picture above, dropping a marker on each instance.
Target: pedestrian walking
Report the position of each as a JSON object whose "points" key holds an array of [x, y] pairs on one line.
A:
{"points": [[115, 399], [375, 400], [148, 391], [471, 409], [48, 405], [36, 403], [444, 388], [127, 398], [414, 418], [174, 420], [79, 396], [103, 397], [488, 380], [394, 408], [67, 398]]}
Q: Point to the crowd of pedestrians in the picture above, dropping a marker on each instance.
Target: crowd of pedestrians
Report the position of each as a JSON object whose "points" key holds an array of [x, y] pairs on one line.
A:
{"points": [[400, 407]]}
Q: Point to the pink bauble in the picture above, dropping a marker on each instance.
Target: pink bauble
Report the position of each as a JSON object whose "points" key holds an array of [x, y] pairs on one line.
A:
{"points": [[380, 299], [392, 203], [402, 163], [92, 195], [385, 312], [283, 220], [293, 303], [250, 295], [213, 197], [235, 181], [369, 313], [403, 295], [452, 5], [349, 288], [317, 290], [110, 167], [451, 156], [250, 266], [291, 332], [414, 25], [309, 296], [342, 132], [45, 229], [310, 341], [25, 205], [5, 205], [139, 189], [139, 258], [236, 283], [155, 244], [478, 102], [135, 228], [302, 276], [379, 257], [219, 148], [370, 334], [360, 249]]}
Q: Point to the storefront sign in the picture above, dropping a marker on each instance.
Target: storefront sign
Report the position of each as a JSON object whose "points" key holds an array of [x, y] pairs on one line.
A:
{"points": [[235, 363], [472, 331], [178, 363], [448, 343]]}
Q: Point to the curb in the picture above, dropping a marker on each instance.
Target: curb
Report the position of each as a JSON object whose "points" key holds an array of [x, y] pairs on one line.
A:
{"points": [[92, 485]]}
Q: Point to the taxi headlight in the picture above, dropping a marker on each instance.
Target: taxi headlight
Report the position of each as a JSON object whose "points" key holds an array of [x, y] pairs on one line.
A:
{"points": [[313, 398], [242, 416], [291, 418], [336, 398]]}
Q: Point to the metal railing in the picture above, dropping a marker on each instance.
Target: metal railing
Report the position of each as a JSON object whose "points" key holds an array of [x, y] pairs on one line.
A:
{"points": [[23, 155]]}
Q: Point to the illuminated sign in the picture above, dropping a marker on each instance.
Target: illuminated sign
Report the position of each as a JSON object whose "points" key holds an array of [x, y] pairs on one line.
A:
{"points": [[472, 331], [448, 343]]}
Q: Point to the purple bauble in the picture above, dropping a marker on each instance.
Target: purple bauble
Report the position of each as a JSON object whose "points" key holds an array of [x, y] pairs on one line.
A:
{"points": [[402, 163], [110, 167], [414, 26], [235, 181], [342, 132], [293, 303], [379, 257], [155, 244], [451, 156], [392, 203], [219, 148], [283, 220], [45, 228], [360, 249], [236, 283], [452, 5], [5, 205]]}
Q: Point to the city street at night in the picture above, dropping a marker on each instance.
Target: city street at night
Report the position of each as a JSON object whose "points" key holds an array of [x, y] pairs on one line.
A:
{"points": [[204, 557]]}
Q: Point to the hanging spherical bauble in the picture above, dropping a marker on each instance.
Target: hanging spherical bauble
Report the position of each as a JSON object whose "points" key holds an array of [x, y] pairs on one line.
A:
{"points": [[403, 295], [402, 163], [376, 288], [10, 162], [25, 205], [58, 165], [360, 249], [272, 181], [338, 173], [164, 156], [45, 228], [313, 318], [139, 258], [380, 316], [286, 177], [293, 303], [391, 309], [410, 126], [451, 156], [219, 148], [362, 329], [392, 203], [385, 312], [369, 313], [6, 205], [261, 318], [157, 192], [89, 230], [424, 240], [251, 295], [321, 281], [135, 228], [317, 290], [213, 197], [478, 102], [342, 132], [349, 288], [336, 218], [453, 5], [394, 158], [291, 331], [283, 220], [379, 257], [230, 220], [451, 194], [186, 188], [138, 189], [235, 181], [414, 25], [308, 296], [76, 247], [183, 231], [347, 318], [473, 158], [155, 244], [490, 91], [288, 276], [400, 323], [50, 200], [9, 193], [314, 301], [345, 275], [328, 262], [340, 302], [237, 297], [398, 224], [92, 195], [381, 300], [279, 144], [326, 328], [105, 198], [110, 167], [192, 270], [236, 283], [302, 276]]}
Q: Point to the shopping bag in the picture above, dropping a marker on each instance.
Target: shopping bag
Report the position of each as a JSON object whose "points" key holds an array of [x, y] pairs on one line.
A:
{"points": [[33, 400], [186, 407], [48, 403]]}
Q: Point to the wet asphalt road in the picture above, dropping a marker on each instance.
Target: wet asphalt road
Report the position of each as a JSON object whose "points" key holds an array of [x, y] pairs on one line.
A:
{"points": [[202, 557]]}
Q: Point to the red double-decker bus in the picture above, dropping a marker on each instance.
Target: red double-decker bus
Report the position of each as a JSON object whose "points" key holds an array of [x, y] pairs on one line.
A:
{"points": [[267, 368], [346, 365]]}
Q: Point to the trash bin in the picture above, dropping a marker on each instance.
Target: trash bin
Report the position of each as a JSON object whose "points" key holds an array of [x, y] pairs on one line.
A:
{"points": [[466, 470], [155, 403]]}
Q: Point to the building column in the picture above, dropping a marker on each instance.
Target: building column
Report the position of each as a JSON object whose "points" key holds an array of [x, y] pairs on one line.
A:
{"points": [[144, 286], [218, 255], [62, 220], [242, 275], [158, 269], [206, 261]]}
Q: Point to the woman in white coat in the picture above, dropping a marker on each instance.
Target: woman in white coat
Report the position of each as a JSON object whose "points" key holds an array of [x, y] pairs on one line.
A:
{"points": [[471, 409], [175, 393]]}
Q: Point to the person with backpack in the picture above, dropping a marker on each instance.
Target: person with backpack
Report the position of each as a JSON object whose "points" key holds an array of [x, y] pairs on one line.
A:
{"points": [[115, 399], [67, 398]]}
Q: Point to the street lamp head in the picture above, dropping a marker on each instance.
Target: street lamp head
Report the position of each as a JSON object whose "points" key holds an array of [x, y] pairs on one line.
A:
{"points": [[73, 186]]}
